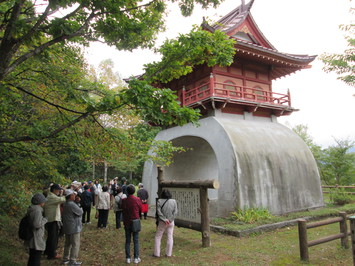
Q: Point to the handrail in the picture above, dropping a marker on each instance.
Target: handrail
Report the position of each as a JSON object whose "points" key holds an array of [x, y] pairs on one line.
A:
{"points": [[233, 92]]}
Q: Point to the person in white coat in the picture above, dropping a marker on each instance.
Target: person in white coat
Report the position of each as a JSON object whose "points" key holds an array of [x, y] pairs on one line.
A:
{"points": [[103, 206]]}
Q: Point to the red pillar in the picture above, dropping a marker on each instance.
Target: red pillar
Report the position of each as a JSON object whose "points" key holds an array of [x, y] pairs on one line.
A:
{"points": [[212, 84]]}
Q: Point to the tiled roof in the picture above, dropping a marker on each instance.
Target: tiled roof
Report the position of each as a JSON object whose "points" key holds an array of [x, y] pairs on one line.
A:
{"points": [[262, 48], [234, 18]]}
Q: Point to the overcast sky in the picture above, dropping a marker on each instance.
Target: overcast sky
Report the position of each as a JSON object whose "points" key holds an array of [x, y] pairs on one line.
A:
{"points": [[325, 104]]}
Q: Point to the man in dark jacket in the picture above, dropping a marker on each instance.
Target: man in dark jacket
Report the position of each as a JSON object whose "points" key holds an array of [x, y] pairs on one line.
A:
{"points": [[86, 199], [132, 207]]}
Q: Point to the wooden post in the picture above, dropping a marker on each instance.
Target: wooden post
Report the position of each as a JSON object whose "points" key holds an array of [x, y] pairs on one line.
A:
{"points": [[205, 220], [302, 234], [352, 229], [344, 230]]}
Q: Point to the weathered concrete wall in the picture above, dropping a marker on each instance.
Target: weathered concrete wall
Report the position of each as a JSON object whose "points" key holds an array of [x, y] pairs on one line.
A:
{"points": [[258, 162]]}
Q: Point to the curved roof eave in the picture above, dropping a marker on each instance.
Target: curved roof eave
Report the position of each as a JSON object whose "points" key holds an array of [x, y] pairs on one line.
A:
{"points": [[294, 57]]}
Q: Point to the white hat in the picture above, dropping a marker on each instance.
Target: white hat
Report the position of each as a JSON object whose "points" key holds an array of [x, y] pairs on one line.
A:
{"points": [[69, 192], [76, 184]]}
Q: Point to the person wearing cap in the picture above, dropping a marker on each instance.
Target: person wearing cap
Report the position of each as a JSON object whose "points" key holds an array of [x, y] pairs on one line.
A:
{"points": [[142, 193], [52, 213], [37, 243], [72, 227]]}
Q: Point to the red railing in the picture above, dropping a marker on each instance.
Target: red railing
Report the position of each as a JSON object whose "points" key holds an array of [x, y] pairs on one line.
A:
{"points": [[222, 91]]}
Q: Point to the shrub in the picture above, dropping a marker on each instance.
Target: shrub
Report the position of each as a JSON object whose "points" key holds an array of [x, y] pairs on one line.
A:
{"points": [[251, 215], [15, 197], [340, 197]]}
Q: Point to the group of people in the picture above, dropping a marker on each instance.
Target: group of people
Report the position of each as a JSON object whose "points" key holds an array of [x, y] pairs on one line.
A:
{"points": [[65, 210]]}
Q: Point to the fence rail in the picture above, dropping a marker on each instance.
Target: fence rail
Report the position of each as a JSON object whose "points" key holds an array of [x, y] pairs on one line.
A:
{"points": [[336, 186], [305, 244]]}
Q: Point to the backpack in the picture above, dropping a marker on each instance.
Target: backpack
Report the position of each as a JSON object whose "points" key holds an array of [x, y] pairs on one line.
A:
{"points": [[119, 203], [86, 199], [25, 228]]}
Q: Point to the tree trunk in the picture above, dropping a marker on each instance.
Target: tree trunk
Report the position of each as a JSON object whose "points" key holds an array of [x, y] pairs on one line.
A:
{"points": [[105, 172], [130, 176], [93, 170]]}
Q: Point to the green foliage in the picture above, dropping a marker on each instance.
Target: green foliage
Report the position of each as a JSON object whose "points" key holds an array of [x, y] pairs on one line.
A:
{"points": [[340, 197], [302, 131], [336, 164], [343, 64], [159, 106], [124, 24], [163, 152], [15, 197], [181, 55], [57, 116], [251, 215]]}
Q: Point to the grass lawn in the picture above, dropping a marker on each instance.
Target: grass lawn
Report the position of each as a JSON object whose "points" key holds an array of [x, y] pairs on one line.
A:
{"points": [[106, 247]]}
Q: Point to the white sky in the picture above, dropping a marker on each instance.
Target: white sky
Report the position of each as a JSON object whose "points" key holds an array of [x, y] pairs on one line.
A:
{"points": [[310, 27]]}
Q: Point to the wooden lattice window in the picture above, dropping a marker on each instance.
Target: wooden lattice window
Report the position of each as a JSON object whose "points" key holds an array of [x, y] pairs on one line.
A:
{"points": [[230, 85], [204, 87], [259, 91]]}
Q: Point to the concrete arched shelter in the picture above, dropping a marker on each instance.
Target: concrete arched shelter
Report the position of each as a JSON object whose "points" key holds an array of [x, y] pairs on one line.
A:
{"points": [[257, 161]]}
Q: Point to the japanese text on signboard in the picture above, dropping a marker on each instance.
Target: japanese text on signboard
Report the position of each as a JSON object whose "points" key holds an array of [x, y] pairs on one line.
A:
{"points": [[188, 201]]}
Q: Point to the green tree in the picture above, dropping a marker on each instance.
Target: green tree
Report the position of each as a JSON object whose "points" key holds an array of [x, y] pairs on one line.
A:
{"points": [[336, 164], [52, 114], [182, 54], [302, 131], [343, 64], [29, 27], [32, 32]]}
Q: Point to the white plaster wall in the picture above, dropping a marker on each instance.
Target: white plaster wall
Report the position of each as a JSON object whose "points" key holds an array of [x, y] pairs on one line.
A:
{"points": [[258, 162]]}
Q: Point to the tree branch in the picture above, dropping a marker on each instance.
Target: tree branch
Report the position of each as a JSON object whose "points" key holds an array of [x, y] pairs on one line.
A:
{"points": [[52, 134], [34, 28], [7, 41], [44, 100], [43, 46], [137, 7]]}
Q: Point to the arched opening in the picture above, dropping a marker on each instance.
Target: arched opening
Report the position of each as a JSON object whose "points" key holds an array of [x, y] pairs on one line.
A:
{"points": [[199, 162]]}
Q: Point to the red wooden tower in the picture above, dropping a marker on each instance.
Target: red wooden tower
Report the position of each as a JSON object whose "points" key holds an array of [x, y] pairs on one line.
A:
{"points": [[246, 85]]}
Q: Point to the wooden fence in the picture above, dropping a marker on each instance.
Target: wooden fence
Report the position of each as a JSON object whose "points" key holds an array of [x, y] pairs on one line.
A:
{"points": [[337, 186], [305, 244]]}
